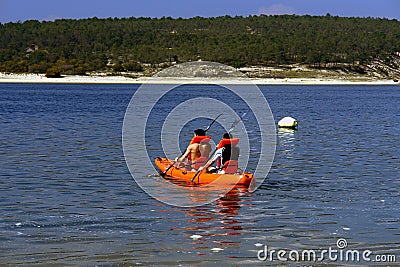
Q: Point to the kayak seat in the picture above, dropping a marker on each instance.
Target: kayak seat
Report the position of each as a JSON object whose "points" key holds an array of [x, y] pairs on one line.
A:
{"points": [[199, 163], [231, 166]]}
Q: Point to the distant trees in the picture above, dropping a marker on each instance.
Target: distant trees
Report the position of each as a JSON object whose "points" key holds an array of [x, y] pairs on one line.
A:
{"points": [[53, 72], [126, 44]]}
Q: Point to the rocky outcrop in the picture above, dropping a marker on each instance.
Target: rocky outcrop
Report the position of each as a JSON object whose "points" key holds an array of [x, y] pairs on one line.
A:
{"points": [[387, 67]]}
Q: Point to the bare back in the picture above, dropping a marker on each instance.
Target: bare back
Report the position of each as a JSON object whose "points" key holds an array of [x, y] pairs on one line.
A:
{"points": [[194, 151], [205, 149]]}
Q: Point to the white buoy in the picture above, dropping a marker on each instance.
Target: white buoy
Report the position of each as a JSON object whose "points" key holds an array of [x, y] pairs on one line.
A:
{"points": [[195, 237], [288, 122]]}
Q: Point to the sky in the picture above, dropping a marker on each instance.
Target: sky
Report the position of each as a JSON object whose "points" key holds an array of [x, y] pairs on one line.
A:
{"points": [[49, 10]]}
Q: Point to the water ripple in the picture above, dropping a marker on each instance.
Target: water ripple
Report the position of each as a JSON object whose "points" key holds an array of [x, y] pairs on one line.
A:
{"points": [[68, 198]]}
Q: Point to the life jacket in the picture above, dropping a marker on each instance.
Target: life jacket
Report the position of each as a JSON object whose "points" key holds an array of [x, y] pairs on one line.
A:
{"points": [[199, 139], [230, 152], [224, 142]]}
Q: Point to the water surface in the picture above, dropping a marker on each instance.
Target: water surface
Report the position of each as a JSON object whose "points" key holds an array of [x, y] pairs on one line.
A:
{"points": [[67, 197]]}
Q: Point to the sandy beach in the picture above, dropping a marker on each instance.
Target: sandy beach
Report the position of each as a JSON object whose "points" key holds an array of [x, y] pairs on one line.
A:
{"points": [[97, 79]]}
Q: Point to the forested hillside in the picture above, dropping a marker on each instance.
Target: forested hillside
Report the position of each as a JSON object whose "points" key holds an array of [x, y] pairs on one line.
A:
{"points": [[131, 44]]}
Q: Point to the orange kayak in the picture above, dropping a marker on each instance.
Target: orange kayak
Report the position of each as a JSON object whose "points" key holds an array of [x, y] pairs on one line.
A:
{"points": [[183, 177]]}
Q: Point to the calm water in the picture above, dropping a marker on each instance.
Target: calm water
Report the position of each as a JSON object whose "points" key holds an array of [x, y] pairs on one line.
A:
{"points": [[67, 197]]}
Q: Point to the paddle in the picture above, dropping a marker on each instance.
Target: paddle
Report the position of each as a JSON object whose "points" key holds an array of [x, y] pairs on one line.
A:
{"points": [[208, 128], [216, 118], [236, 122], [215, 150]]}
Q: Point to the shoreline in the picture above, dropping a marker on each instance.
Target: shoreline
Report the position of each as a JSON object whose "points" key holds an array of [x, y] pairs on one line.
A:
{"points": [[75, 79]]}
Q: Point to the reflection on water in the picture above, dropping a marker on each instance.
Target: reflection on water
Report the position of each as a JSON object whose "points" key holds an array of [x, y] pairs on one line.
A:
{"points": [[216, 222], [286, 139]]}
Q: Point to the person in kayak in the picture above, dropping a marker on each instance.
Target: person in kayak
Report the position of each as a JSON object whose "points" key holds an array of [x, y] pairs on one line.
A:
{"points": [[226, 155], [198, 150]]}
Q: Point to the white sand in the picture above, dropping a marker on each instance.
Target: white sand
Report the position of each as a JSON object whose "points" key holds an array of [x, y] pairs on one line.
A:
{"points": [[34, 78]]}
